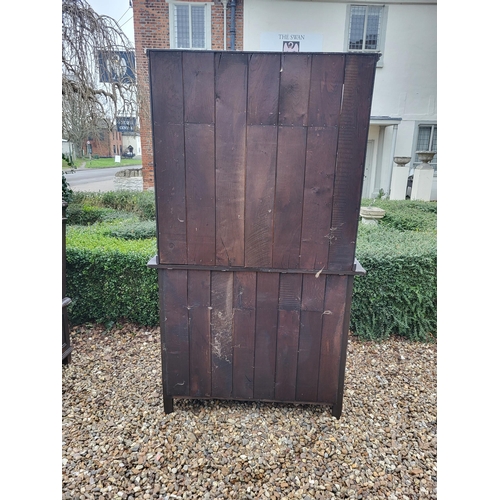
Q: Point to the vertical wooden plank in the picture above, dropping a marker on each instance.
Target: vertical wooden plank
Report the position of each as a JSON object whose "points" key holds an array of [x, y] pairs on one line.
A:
{"points": [[244, 334], [290, 297], [308, 357], [337, 407], [167, 398], [353, 136], [199, 91], [259, 195], [168, 148], [289, 196], [313, 292], [170, 194], [166, 88], [263, 88], [311, 317], [294, 89], [327, 79], [199, 333], [266, 324], [200, 194], [230, 144], [221, 339], [318, 197], [286, 355], [288, 336], [331, 338], [176, 337]]}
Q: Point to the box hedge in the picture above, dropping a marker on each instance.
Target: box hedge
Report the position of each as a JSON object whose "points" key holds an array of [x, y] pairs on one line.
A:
{"points": [[108, 279], [398, 294]]}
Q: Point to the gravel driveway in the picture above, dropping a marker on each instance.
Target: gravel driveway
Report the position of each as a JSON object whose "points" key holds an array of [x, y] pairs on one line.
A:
{"points": [[119, 444]]}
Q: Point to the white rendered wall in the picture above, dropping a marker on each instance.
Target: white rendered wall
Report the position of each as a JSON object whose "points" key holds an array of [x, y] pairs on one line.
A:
{"points": [[405, 85]]}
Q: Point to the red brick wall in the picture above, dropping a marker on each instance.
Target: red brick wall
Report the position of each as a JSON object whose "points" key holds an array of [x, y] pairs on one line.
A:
{"points": [[151, 31], [104, 146]]}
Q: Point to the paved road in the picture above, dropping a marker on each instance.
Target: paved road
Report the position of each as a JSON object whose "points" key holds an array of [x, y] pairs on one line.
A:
{"points": [[94, 179]]}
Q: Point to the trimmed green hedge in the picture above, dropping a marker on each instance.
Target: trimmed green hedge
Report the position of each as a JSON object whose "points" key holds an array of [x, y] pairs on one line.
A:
{"points": [[407, 215], [133, 230], [398, 294], [140, 203], [108, 280]]}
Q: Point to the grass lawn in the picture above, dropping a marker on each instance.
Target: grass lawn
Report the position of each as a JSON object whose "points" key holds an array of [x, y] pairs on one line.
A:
{"points": [[102, 163], [110, 162]]}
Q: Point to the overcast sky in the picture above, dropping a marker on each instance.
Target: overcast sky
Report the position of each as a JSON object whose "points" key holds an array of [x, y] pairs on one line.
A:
{"points": [[119, 10]]}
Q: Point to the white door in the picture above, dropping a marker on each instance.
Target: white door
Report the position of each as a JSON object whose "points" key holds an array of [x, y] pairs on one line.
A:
{"points": [[367, 179]]}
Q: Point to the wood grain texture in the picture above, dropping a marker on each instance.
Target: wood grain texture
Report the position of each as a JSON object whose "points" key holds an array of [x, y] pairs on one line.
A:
{"points": [[266, 325], [230, 147], [331, 338], [295, 82], [171, 194], [308, 356], [200, 194], [199, 87], [290, 295], [286, 354], [259, 195], [200, 373], [318, 197], [221, 336], [263, 89], [175, 339], [353, 136], [327, 80], [289, 196], [244, 295], [166, 89]]}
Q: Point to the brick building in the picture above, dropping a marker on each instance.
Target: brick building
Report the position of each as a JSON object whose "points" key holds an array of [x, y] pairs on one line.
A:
{"points": [[105, 143], [160, 24], [404, 107]]}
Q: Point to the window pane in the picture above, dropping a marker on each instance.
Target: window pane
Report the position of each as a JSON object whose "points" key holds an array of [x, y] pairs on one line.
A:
{"points": [[182, 26], [357, 27], [373, 28], [424, 136], [427, 141], [434, 145], [198, 26]]}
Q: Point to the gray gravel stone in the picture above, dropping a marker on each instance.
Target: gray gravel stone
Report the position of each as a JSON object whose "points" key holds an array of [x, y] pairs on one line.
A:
{"points": [[119, 444]]}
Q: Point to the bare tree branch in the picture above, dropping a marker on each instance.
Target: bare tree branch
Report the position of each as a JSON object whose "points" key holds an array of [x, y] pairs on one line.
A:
{"points": [[89, 42]]}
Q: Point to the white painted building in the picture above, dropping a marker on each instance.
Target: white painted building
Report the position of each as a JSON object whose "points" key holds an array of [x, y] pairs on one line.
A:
{"points": [[404, 109]]}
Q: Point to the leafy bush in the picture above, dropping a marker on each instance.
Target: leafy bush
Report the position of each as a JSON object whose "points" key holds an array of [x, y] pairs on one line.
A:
{"points": [[133, 230], [398, 295], [108, 278], [140, 203], [67, 192], [406, 215], [85, 215]]}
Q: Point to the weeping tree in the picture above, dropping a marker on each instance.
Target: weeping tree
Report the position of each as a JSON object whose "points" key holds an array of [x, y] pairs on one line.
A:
{"points": [[98, 73]]}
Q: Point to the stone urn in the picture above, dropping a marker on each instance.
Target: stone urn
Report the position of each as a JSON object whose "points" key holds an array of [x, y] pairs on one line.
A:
{"points": [[401, 161], [425, 157], [371, 215]]}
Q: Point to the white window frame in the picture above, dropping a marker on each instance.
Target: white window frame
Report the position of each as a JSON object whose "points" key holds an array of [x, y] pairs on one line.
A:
{"points": [[208, 24], [414, 158], [383, 27]]}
